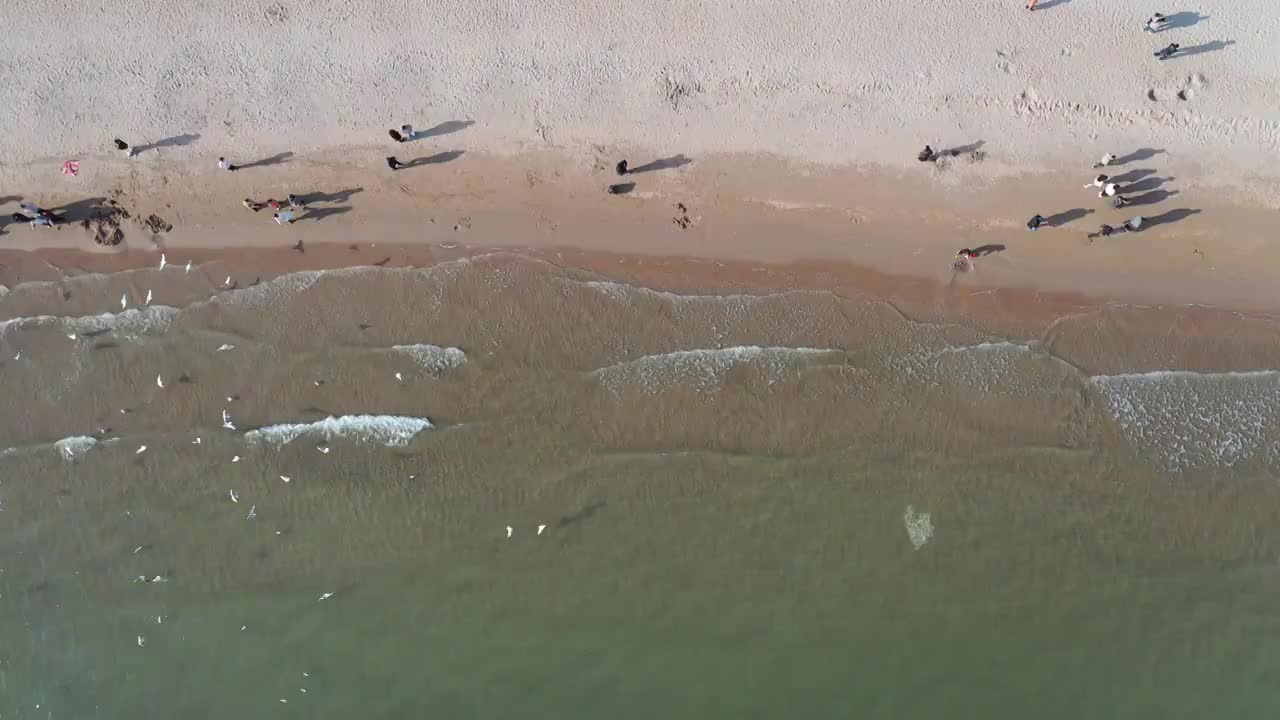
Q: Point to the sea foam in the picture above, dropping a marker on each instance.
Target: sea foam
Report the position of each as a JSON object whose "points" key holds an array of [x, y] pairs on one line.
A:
{"points": [[73, 448], [389, 430], [433, 357], [919, 526], [702, 369], [1189, 420]]}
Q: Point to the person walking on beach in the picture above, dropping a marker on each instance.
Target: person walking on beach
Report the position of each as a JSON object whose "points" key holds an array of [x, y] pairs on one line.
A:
{"points": [[393, 163], [405, 134], [284, 217], [967, 254], [1104, 231], [1156, 23], [1035, 222], [927, 155], [1109, 190], [1031, 4], [1119, 201], [621, 168], [295, 202], [254, 205], [224, 165], [1097, 182], [1168, 52], [123, 147], [1105, 161]]}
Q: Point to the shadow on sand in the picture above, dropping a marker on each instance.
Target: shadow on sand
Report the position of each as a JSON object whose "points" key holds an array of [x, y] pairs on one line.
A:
{"points": [[277, 159], [175, 141], [674, 161], [1067, 216]]}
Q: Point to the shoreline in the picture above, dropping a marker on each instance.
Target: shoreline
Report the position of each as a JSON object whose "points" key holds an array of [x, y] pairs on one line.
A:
{"points": [[1204, 247]]}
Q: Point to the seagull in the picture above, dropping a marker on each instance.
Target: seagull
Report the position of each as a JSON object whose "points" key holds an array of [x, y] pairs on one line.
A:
{"points": [[285, 478], [159, 619], [163, 262], [138, 549], [508, 532], [226, 421], [253, 513], [541, 528], [227, 282], [15, 357], [326, 596], [124, 300], [188, 268], [141, 449], [71, 336], [235, 459], [197, 441], [142, 641], [159, 382], [148, 300], [234, 497], [324, 450], [230, 399], [225, 347], [398, 377]]}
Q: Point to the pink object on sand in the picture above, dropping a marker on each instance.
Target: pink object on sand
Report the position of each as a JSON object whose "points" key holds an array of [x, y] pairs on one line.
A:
{"points": [[71, 167]]}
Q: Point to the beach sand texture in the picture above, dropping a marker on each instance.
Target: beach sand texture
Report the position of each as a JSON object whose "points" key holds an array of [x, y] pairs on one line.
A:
{"points": [[818, 80]]}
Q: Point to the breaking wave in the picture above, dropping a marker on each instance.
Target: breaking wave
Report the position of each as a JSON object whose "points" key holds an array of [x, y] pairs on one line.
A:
{"points": [[389, 430]]}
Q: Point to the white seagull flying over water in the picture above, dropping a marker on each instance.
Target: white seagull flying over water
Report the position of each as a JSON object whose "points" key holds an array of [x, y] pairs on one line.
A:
{"points": [[148, 300], [159, 382], [188, 270], [226, 421], [124, 300], [163, 262]]}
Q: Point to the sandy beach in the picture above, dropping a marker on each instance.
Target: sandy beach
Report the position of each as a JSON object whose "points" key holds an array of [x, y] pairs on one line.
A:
{"points": [[793, 120]]}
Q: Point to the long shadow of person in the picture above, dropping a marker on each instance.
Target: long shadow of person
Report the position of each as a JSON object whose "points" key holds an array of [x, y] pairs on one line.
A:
{"points": [[277, 159], [669, 163]]}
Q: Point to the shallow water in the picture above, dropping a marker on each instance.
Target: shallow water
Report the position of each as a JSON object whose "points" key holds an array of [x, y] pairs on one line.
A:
{"points": [[795, 504]]}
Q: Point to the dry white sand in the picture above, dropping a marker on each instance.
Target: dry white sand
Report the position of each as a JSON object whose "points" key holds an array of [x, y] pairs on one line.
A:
{"points": [[820, 80]]}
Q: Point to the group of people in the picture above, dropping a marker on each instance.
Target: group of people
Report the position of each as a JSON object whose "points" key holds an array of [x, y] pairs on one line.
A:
{"points": [[37, 216], [283, 214], [1106, 188]]}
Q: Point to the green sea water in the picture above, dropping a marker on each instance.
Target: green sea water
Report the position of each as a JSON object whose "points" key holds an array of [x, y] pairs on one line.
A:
{"points": [[727, 534]]}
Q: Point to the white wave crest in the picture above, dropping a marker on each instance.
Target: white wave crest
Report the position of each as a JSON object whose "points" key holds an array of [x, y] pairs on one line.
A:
{"points": [[702, 369], [1188, 420], [389, 430], [129, 323], [73, 448], [271, 290], [433, 357], [623, 292]]}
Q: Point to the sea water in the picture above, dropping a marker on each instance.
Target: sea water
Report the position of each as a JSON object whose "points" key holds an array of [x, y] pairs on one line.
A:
{"points": [[493, 487]]}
